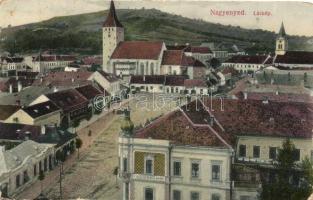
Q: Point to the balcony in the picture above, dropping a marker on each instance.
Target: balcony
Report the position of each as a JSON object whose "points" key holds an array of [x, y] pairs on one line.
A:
{"points": [[146, 177]]}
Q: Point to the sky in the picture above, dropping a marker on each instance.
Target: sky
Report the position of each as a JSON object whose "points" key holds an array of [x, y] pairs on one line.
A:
{"points": [[297, 16]]}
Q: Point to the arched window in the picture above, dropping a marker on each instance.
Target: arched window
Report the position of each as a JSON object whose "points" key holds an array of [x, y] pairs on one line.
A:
{"points": [[147, 69], [152, 68], [142, 69]]}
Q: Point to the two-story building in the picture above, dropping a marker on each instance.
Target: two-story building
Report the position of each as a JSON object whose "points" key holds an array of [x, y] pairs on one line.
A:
{"points": [[164, 160], [20, 166]]}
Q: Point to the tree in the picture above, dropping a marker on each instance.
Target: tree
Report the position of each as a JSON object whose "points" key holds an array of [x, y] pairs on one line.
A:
{"points": [[79, 144], [290, 180], [215, 63], [76, 123], [41, 177]]}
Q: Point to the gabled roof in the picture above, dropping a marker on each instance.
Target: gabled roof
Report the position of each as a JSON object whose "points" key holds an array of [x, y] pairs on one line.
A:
{"points": [[7, 110], [175, 80], [138, 50], [264, 118], [68, 100], [111, 20], [257, 59], [21, 132], [295, 57], [109, 77], [40, 109], [51, 58], [148, 79], [13, 158], [13, 59], [89, 91], [178, 128], [173, 57]]}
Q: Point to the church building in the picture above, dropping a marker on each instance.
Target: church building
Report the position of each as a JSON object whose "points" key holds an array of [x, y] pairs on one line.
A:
{"points": [[127, 58]]}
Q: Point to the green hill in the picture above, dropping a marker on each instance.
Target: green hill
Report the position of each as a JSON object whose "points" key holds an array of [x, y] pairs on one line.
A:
{"points": [[82, 33]]}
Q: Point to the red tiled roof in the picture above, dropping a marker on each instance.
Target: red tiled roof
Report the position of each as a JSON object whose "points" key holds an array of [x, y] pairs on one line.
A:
{"points": [[41, 109], [69, 100], [256, 118], [190, 83], [247, 59], [138, 50], [89, 91], [13, 59], [50, 58], [149, 79], [64, 79], [7, 110], [175, 80], [194, 49], [230, 70], [280, 97], [111, 20], [108, 77], [179, 130], [173, 57], [295, 57]]}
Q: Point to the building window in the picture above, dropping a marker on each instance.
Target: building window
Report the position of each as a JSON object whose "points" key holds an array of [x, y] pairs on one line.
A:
{"points": [[297, 154], [124, 164], [176, 195], [35, 169], [17, 181], [25, 177], [149, 165], [194, 196], [256, 151], [195, 170], [177, 168], [273, 153], [148, 194], [216, 172], [215, 197], [242, 150]]}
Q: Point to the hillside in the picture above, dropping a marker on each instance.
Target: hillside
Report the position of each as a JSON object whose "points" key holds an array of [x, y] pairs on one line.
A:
{"points": [[83, 33]]}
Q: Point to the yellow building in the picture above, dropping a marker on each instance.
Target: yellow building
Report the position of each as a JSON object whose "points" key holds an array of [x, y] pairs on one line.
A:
{"points": [[41, 114], [165, 160]]}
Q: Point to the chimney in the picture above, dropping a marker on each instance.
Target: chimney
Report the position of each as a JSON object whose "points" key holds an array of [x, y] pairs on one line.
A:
{"points": [[276, 92], [10, 88], [19, 86], [43, 129]]}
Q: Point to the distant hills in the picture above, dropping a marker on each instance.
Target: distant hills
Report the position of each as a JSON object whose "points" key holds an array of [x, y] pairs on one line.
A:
{"points": [[82, 33]]}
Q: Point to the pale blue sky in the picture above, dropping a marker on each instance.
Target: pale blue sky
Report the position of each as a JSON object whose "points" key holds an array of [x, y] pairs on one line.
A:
{"points": [[297, 16]]}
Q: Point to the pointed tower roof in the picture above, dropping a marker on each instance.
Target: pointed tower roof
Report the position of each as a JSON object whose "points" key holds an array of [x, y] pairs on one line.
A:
{"points": [[282, 32], [111, 20]]}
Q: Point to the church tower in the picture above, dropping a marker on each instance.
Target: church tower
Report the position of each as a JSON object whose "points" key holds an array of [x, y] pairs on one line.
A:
{"points": [[112, 34], [281, 41]]}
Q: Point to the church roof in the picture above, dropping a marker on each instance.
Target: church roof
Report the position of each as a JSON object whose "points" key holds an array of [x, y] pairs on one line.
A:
{"points": [[138, 50], [295, 57], [111, 20], [282, 32]]}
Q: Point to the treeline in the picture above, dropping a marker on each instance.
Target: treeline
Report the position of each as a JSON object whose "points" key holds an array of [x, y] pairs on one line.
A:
{"points": [[27, 40]]}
